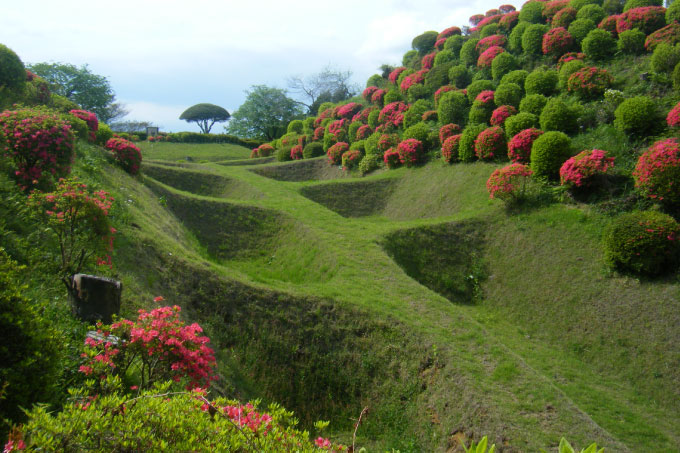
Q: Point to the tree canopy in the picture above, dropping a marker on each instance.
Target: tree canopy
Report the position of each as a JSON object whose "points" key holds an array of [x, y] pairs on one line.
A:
{"points": [[205, 116], [329, 85], [265, 114]]}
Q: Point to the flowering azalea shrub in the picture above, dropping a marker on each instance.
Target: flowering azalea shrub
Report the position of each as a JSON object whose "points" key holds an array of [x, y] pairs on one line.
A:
{"points": [[439, 44], [644, 242], [350, 159], [447, 131], [508, 21], [589, 82], [39, 143], [494, 19], [519, 146], [254, 154], [91, 120], [509, 183], [450, 148], [486, 57], [296, 152], [393, 113], [412, 79], [491, 143], [347, 111], [410, 151], [265, 150], [476, 19], [440, 91], [428, 60], [391, 158], [368, 92], [570, 56], [505, 9], [378, 97], [78, 220], [490, 41], [337, 127], [673, 117], [126, 153], [318, 133], [647, 19], [449, 32], [564, 17], [336, 151], [578, 171], [557, 42], [669, 34], [501, 114], [364, 132], [553, 7], [394, 75], [657, 173], [362, 116]]}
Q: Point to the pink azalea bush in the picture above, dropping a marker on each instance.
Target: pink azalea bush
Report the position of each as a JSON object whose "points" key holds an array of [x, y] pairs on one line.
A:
{"points": [[265, 150], [485, 98], [368, 92], [557, 41], [491, 41], [491, 143], [673, 117], [448, 130], [394, 75], [519, 147], [501, 114], [609, 24], [647, 19], [589, 82], [449, 32], [336, 151], [364, 132], [391, 158], [350, 159], [476, 19], [509, 183], [564, 17], [410, 151], [657, 173], [296, 152], [318, 134], [362, 116], [126, 153], [670, 34], [393, 113], [347, 111], [450, 148], [505, 9], [439, 44], [91, 120], [509, 20], [578, 171], [412, 79], [428, 60], [569, 56], [486, 58], [387, 141], [552, 8], [378, 97]]}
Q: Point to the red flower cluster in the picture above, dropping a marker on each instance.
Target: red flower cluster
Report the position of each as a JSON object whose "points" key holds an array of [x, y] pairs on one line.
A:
{"points": [[362, 116], [489, 20], [335, 127], [393, 113], [368, 92], [509, 20], [448, 32], [552, 8], [501, 114], [673, 117], [669, 34], [378, 97], [157, 138], [485, 98], [91, 120], [265, 150], [412, 79], [439, 44], [567, 57], [450, 148], [30, 76], [364, 132], [336, 151], [490, 143], [447, 131], [387, 141], [508, 183], [557, 41], [579, 170], [350, 159], [440, 91], [394, 75], [519, 147], [126, 153], [657, 173], [491, 41], [254, 154], [296, 152], [347, 111], [428, 60], [410, 151], [564, 17], [328, 113], [485, 59], [39, 142], [609, 24], [318, 133], [391, 158], [589, 82], [647, 19]]}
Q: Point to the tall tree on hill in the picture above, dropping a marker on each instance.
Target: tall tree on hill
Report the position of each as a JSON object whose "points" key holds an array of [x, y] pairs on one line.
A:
{"points": [[265, 114], [205, 116], [329, 85]]}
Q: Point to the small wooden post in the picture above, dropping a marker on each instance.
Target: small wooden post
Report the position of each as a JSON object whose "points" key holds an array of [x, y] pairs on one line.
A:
{"points": [[95, 298]]}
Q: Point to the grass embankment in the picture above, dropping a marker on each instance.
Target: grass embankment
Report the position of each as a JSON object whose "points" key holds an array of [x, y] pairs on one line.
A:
{"points": [[552, 346]]}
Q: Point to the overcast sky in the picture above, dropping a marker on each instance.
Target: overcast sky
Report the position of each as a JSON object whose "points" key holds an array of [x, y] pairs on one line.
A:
{"points": [[164, 56]]}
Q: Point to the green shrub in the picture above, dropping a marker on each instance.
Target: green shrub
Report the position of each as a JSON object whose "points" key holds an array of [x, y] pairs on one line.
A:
{"points": [[508, 94], [673, 13], [12, 71], [369, 163], [592, 12], [414, 114], [295, 127], [612, 7], [541, 81], [452, 108], [517, 123], [313, 149], [564, 17], [533, 103], [532, 39], [376, 80], [352, 130], [459, 76], [503, 64], [477, 87], [410, 59], [676, 77], [103, 134], [548, 153], [480, 113], [578, 4], [420, 132], [444, 56], [393, 95], [488, 30], [664, 58], [515, 38], [437, 77], [374, 117], [466, 146], [558, 116], [532, 12], [567, 70], [416, 92], [637, 116], [424, 43], [642, 242], [580, 28], [518, 76], [468, 53], [632, 4], [283, 153], [599, 45], [454, 44]]}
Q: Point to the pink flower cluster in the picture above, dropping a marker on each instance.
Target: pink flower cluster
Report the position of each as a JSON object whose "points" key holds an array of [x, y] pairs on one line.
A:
{"points": [[410, 151], [428, 60], [491, 41], [378, 97], [505, 9], [669, 34], [364, 132], [609, 24], [393, 113], [579, 170], [553, 7], [394, 75], [412, 79], [296, 152], [91, 120], [336, 151], [489, 20], [368, 92], [362, 116], [440, 91], [350, 159], [673, 117], [265, 150], [485, 98], [157, 138], [126, 153], [387, 141], [519, 147], [439, 44], [318, 133], [647, 19], [508, 183], [450, 148], [486, 58], [447, 131], [501, 114], [328, 113], [509, 20], [447, 32], [335, 127], [657, 173], [589, 82], [391, 158], [557, 41], [348, 110], [564, 17], [476, 19], [490, 143], [569, 56]]}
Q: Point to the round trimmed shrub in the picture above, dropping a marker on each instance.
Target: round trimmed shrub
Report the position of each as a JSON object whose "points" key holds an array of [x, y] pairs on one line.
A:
{"points": [[558, 116], [480, 113], [283, 153], [580, 170], [557, 42], [519, 146], [517, 123], [533, 103], [589, 83], [477, 87], [414, 114], [648, 19], [532, 39], [352, 130], [468, 53], [452, 108], [444, 56], [670, 34], [391, 158], [657, 173], [593, 12], [501, 114], [420, 132], [466, 145], [424, 43], [599, 45], [508, 94], [578, 4], [103, 134], [673, 13], [515, 38], [491, 144], [491, 41], [486, 58], [553, 7], [459, 76], [503, 64], [509, 183], [564, 17], [517, 76], [664, 58], [391, 96], [385, 142], [437, 77], [351, 159], [12, 71], [541, 81], [567, 70], [643, 242], [313, 149], [454, 44], [580, 28], [548, 153], [410, 152], [632, 4], [631, 42], [488, 30], [336, 151], [369, 163], [265, 150], [450, 148], [448, 130], [532, 12], [295, 127], [637, 116]]}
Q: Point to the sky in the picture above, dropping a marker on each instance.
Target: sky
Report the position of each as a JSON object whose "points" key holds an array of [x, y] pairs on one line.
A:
{"points": [[162, 57]]}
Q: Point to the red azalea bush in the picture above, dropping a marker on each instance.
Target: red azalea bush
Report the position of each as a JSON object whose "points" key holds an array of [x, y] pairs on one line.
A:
{"points": [[387, 141], [657, 173], [519, 147], [410, 151], [328, 113], [126, 153], [40, 144], [579, 170], [440, 91], [564, 17], [448, 32], [501, 114], [673, 117], [490, 41], [647, 19], [491, 143], [486, 58], [368, 92], [91, 120], [265, 150], [393, 113], [476, 19], [412, 79], [347, 111], [350, 159], [362, 116], [508, 183], [439, 44], [428, 60], [336, 151], [450, 148], [669, 34], [447, 131], [364, 132], [318, 133], [489, 20], [552, 8], [394, 75], [589, 82], [296, 152], [337, 126], [485, 98], [570, 56], [609, 24], [378, 97], [557, 41], [391, 158], [509, 20]]}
